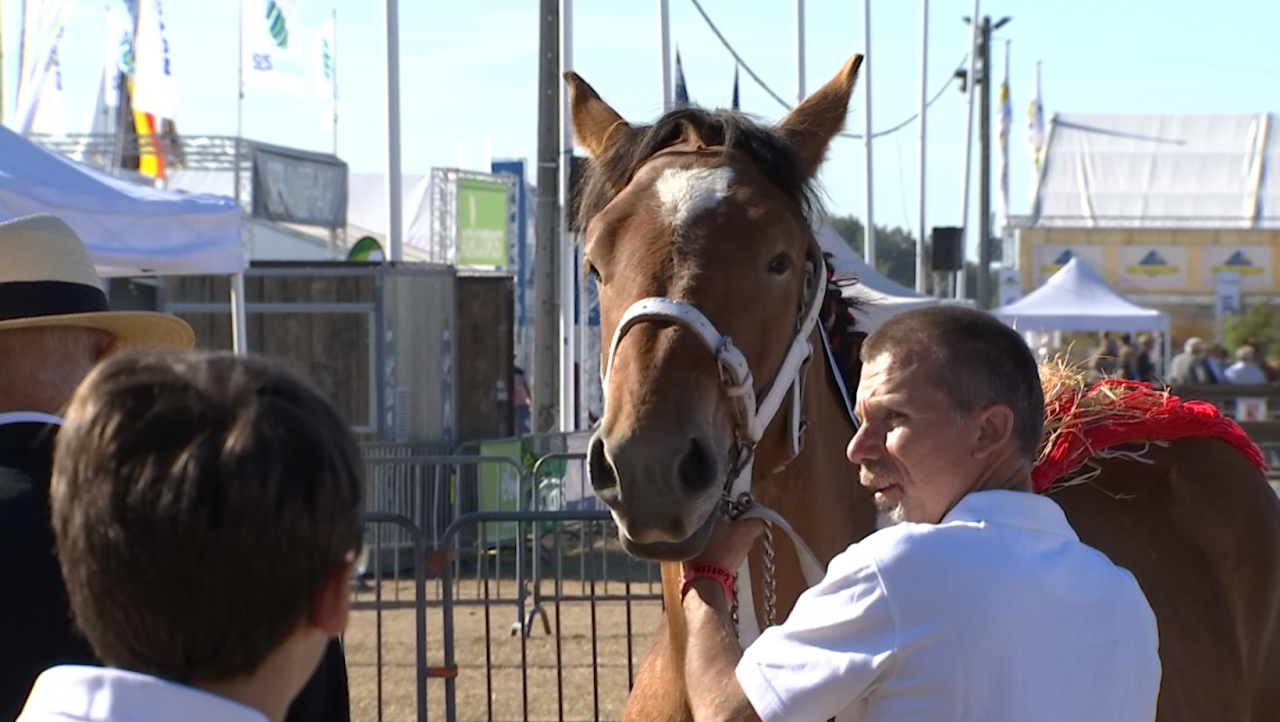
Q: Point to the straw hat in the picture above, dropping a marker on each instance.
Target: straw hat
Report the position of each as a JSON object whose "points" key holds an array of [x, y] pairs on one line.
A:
{"points": [[47, 279]]}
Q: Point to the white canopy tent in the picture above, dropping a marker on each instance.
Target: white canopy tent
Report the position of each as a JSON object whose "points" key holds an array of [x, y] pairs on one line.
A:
{"points": [[881, 298], [1077, 299], [128, 229]]}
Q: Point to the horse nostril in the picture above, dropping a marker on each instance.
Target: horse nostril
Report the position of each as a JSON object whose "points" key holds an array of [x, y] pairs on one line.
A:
{"points": [[603, 476], [697, 469]]}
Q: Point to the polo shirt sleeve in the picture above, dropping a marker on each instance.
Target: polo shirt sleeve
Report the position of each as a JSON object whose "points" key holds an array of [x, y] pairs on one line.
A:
{"points": [[837, 644]]}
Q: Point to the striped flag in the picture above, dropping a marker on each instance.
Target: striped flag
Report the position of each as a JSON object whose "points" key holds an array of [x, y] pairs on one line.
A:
{"points": [[43, 21], [682, 93], [1006, 120], [1035, 123]]}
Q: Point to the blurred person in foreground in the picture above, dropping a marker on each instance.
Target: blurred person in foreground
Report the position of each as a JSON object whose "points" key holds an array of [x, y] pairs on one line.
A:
{"points": [[975, 600], [55, 326], [206, 509]]}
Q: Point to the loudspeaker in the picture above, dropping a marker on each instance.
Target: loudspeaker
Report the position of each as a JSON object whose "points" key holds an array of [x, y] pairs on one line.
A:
{"points": [[948, 248]]}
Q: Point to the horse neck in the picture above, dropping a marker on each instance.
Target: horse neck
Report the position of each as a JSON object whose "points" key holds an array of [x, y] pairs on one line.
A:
{"points": [[818, 492]]}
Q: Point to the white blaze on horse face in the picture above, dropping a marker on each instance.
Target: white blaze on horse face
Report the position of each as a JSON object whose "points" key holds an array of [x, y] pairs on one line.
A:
{"points": [[686, 192]]}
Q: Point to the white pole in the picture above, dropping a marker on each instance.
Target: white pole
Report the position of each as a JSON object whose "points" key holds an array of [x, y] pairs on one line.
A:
{"points": [[664, 32], [333, 70], [800, 94], [869, 251], [568, 376], [924, 106], [971, 87], [393, 201], [239, 319]]}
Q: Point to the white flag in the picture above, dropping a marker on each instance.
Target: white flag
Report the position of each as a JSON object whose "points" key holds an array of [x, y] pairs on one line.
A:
{"points": [[324, 55], [272, 39], [154, 90], [40, 35], [1035, 122], [50, 116], [118, 57], [1006, 121]]}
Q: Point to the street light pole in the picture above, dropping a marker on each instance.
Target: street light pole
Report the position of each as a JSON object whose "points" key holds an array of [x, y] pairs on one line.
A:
{"points": [[984, 171]]}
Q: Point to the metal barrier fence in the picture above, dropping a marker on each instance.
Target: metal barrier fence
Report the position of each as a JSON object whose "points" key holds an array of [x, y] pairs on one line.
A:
{"points": [[531, 611]]}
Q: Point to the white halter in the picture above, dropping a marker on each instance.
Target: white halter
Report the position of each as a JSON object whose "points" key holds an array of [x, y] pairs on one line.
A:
{"points": [[752, 418]]}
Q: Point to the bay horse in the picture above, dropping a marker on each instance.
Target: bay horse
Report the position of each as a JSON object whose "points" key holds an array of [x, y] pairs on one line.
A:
{"points": [[714, 293]]}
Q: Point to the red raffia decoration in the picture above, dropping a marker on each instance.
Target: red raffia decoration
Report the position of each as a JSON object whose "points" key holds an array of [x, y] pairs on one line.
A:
{"points": [[1113, 412]]}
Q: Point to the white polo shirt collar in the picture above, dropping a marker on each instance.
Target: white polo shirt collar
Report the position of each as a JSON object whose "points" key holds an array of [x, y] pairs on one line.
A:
{"points": [[1022, 509], [102, 694]]}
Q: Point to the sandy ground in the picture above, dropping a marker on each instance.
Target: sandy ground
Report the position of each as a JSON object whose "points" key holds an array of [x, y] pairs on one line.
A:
{"points": [[585, 677]]}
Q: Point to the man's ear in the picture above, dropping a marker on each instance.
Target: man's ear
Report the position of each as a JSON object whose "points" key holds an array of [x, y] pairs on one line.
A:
{"points": [[106, 348], [332, 604], [995, 428]]}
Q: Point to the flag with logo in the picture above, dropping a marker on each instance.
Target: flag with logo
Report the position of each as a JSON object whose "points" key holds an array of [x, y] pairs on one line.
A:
{"points": [[1006, 120], [1035, 123], [117, 63], [41, 31], [324, 55], [154, 90], [50, 116], [272, 40]]}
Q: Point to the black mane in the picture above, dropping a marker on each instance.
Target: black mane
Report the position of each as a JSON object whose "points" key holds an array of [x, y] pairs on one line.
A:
{"points": [[735, 132]]}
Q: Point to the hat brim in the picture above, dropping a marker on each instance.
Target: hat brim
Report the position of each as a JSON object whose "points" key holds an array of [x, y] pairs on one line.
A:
{"points": [[132, 329]]}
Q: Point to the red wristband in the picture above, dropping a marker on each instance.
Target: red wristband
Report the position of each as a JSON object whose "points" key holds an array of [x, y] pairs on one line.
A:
{"points": [[707, 570]]}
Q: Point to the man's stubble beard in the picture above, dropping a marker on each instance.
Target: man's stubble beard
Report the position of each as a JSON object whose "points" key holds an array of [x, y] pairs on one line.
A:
{"points": [[887, 513]]}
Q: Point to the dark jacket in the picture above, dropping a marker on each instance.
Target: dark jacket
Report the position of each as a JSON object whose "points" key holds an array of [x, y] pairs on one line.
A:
{"points": [[36, 631]]}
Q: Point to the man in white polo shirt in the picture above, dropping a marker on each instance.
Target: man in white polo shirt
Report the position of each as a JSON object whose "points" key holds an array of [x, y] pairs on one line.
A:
{"points": [[974, 601]]}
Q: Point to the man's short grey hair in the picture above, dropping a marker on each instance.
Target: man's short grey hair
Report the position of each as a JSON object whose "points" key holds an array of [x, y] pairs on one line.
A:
{"points": [[1246, 354], [1193, 344]]}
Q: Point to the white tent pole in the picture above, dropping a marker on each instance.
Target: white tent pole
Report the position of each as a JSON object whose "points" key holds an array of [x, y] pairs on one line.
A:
{"points": [[394, 200], [869, 231], [239, 320], [664, 38]]}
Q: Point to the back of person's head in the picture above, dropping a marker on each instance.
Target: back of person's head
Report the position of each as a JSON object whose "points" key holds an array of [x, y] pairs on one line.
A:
{"points": [[976, 360], [1246, 354], [201, 502], [1195, 344]]}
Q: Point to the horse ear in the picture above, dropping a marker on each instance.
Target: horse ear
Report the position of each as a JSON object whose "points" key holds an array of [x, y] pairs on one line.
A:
{"points": [[594, 122], [812, 124]]}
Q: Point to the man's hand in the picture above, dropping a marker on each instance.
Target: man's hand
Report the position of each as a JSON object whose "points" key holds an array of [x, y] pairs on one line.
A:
{"points": [[729, 543]]}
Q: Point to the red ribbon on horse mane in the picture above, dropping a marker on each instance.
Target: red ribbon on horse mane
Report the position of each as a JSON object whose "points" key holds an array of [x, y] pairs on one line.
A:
{"points": [[1129, 412]]}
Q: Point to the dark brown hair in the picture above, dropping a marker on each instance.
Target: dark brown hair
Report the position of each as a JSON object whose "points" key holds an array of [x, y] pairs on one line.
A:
{"points": [[976, 360], [200, 502]]}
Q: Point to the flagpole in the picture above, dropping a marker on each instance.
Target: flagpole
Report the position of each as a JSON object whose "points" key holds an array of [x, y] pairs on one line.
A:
{"points": [[567, 267], [800, 94], [924, 106], [869, 234], [2, 63], [239, 318], [333, 80], [394, 200], [664, 32], [971, 88]]}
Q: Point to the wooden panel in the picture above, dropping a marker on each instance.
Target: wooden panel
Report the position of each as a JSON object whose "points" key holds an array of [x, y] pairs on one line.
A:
{"points": [[485, 357]]}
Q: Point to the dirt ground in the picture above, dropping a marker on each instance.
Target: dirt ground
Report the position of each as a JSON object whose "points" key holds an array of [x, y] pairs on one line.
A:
{"points": [[585, 677]]}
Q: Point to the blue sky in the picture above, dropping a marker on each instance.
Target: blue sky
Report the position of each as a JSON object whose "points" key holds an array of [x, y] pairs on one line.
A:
{"points": [[469, 73]]}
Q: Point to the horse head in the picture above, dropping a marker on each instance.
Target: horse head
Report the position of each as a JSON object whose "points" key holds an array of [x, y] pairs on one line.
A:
{"points": [[697, 233]]}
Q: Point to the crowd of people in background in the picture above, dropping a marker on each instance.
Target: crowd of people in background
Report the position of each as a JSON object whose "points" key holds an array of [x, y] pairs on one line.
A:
{"points": [[1138, 358]]}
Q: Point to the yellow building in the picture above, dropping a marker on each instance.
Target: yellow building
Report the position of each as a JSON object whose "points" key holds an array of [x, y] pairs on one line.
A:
{"points": [[1159, 205]]}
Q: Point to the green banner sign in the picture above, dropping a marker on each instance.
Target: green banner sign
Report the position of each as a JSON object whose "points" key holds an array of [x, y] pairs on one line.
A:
{"points": [[482, 223]]}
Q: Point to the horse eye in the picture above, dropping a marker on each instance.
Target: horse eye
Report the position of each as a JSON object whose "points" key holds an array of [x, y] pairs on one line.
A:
{"points": [[779, 264], [592, 272]]}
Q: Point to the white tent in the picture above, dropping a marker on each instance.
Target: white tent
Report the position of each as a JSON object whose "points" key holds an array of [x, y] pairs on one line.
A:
{"points": [[1077, 299], [881, 298], [129, 230]]}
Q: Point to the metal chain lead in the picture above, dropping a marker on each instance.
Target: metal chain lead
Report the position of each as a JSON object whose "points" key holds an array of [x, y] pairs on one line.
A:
{"points": [[770, 596]]}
